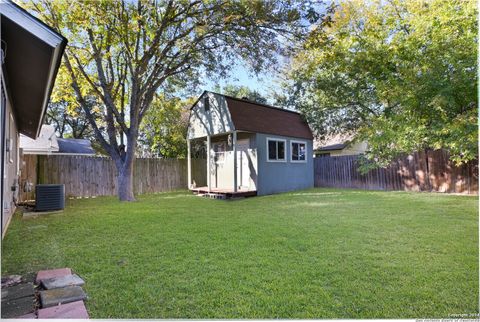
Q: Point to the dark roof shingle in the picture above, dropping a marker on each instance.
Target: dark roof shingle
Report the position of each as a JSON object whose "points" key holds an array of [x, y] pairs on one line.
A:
{"points": [[255, 117]]}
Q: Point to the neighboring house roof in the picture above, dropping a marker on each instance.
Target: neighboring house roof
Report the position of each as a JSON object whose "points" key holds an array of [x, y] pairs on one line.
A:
{"points": [[344, 144], [332, 147], [32, 52], [48, 143], [333, 140], [251, 116], [45, 143], [75, 146]]}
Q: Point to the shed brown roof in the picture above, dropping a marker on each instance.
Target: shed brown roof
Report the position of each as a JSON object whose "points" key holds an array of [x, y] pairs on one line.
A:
{"points": [[255, 117]]}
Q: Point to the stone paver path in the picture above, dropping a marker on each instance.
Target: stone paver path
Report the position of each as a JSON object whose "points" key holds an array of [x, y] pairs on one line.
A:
{"points": [[60, 293], [74, 310], [18, 300], [62, 281], [52, 273]]}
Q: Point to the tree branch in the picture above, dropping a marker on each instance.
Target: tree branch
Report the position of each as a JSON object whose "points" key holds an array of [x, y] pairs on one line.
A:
{"points": [[108, 147]]}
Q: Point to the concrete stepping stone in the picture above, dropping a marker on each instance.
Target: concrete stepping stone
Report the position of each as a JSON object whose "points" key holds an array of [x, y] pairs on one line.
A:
{"points": [[62, 281], [51, 273], [18, 291], [73, 310], [61, 295], [17, 307]]}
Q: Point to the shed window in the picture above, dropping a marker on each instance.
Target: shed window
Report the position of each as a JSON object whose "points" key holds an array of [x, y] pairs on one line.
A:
{"points": [[276, 150], [219, 148], [206, 104], [298, 151]]}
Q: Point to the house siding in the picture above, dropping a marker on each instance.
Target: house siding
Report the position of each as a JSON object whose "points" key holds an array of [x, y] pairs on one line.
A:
{"points": [[285, 176], [11, 167]]}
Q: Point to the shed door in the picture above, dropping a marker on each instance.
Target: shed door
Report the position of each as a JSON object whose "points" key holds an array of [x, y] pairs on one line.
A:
{"points": [[243, 170]]}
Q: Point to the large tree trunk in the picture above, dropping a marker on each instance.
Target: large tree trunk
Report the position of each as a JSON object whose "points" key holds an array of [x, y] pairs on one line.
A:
{"points": [[124, 161], [125, 180]]}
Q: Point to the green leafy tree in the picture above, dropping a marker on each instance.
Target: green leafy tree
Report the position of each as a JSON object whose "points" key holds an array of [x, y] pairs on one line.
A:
{"points": [[125, 52], [164, 128], [241, 91], [399, 74]]}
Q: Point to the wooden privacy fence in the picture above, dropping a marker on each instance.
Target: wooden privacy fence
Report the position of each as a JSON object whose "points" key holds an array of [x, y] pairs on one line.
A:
{"points": [[86, 176], [431, 171]]}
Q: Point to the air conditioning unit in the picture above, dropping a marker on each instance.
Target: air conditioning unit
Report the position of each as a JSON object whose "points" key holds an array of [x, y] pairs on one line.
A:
{"points": [[49, 197]]}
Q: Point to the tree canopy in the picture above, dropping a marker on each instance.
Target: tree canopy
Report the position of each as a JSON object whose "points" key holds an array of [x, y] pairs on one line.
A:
{"points": [[164, 129], [401, 75], [241, 91], [67, 123]]}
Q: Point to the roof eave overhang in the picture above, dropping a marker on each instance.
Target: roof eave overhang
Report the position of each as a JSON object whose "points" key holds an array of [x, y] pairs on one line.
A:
{"points": [[53, 71], [33, 56]]}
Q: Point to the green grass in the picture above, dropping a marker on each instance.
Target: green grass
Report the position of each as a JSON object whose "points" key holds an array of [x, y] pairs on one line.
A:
{"points": [[316, 253]]}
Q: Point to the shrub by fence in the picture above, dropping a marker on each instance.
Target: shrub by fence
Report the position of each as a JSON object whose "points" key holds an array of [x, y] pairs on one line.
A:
{"points": [[431, 171], [86, 176]]}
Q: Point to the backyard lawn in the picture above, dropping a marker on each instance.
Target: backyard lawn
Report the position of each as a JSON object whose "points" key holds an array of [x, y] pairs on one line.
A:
{"points": [[318, 253]]}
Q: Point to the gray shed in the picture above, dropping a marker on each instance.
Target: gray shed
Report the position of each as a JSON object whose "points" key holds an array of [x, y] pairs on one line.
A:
{"points": [[252, 148]]}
